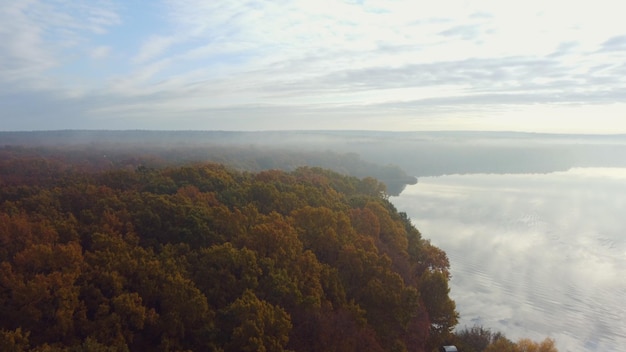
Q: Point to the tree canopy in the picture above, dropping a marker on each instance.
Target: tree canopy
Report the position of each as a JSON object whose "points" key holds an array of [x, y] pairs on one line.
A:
{"points": [[202, 257]]}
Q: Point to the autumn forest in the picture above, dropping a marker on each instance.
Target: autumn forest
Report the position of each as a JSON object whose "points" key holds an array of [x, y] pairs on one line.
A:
{"points": [[132, 255]]}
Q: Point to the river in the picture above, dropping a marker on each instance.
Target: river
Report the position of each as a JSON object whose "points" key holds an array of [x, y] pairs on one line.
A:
{"points": [[532, 255]]}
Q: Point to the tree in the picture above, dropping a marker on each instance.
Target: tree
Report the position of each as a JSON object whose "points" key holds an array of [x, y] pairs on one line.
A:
{"points": [[256, 325], [41, 285], [14, 340], [502, 345], [434, 290], [205, 258], [527, 345], [475, 339], [274, 238], [223, 272]]}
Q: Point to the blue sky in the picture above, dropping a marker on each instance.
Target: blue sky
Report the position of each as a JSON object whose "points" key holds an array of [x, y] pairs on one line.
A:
{"points": [[543, 66]]}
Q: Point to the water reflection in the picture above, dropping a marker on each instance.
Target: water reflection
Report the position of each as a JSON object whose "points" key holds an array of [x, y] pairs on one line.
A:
{"points": [[532, 255]]}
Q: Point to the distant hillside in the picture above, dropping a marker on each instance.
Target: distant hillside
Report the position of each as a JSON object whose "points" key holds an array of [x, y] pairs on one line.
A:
{"points": [[240, 150], [416, 153]]}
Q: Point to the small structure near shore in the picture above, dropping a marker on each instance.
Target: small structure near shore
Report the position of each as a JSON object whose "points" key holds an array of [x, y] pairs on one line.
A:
{"points": [[450, 348]]}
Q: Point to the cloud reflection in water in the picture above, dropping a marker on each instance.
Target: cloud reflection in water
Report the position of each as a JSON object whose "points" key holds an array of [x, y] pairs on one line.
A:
{"points": [[532, 255]]}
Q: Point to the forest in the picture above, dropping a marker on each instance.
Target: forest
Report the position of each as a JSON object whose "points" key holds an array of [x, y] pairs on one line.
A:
{"points": [[199, 256]]}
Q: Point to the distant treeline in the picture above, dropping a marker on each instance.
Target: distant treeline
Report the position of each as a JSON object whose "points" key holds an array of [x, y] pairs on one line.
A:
{"points": [[105, 150], [419, 154]]}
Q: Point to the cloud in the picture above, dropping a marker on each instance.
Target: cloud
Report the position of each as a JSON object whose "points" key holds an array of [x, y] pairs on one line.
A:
{"points": [[36, 35], [617, 43], [465, 32], [153, 47], [23, 52], [563, 49], [345, 58], [100, 52]]}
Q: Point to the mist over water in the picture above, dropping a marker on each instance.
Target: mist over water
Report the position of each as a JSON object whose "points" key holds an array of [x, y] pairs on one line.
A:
{"points": [[532, 255]]}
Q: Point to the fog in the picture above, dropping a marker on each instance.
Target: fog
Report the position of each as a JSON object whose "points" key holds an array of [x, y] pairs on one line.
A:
{"points": [[418, 153], [532, 255]]}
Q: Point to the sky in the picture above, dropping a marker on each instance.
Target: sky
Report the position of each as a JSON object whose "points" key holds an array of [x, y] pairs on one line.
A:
{"points": [[535, 65]]}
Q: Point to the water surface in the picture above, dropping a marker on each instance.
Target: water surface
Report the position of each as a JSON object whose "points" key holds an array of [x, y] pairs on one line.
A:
{"points": [[532, 255]]}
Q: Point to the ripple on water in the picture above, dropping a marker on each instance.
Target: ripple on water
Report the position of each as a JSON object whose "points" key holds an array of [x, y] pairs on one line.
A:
{"points": [[528, 265]]}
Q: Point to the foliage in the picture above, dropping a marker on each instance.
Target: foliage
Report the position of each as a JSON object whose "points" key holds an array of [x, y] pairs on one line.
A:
{"points": [[480, 339], [202, 257]]}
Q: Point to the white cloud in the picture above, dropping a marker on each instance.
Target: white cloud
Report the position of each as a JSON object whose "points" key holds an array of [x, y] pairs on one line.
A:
{"points": [[100, 52], [486, 61], [153, 47], [37, 34], [23, 51]]}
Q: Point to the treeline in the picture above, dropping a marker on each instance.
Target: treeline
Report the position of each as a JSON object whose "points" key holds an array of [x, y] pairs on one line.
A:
{"points": [[204, 257], [420, 154], [129, 149]]}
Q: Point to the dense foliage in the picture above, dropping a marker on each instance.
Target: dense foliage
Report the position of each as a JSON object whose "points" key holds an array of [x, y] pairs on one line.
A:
{"points": [[479, 339], [204, 257]]}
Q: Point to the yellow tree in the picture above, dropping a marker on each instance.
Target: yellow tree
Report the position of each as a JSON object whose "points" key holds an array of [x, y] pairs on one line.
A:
{"points": [[527, 345], [502, 345]]}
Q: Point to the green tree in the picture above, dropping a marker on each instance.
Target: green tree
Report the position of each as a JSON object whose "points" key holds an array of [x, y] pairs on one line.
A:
{"points": [[475, 339], [256, 325], [434, 291], [223, 272]]}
